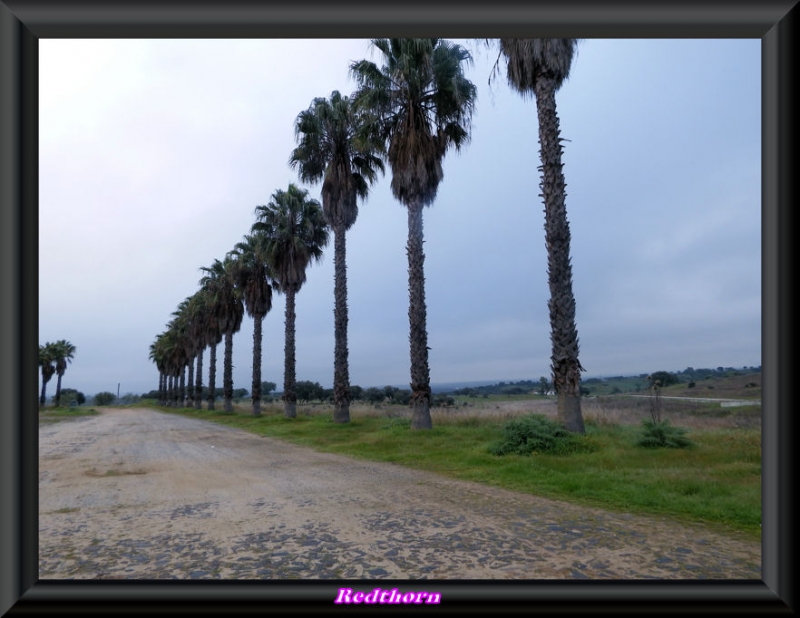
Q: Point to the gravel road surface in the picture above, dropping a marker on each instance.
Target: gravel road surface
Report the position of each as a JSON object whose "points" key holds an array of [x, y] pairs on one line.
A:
{"points": [[139, 494]]}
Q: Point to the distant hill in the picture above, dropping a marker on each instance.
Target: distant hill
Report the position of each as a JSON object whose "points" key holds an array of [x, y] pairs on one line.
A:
{"points": [[727, 381], [688, 382]]}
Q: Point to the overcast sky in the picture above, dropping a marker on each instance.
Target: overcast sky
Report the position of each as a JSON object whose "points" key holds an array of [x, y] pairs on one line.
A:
{"points": [[154, 154]]}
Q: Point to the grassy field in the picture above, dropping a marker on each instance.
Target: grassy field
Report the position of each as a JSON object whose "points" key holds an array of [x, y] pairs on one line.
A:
{"points": [[716, 481], [53, 415]]}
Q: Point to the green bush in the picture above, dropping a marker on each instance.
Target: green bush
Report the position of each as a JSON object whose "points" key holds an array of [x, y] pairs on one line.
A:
{"points": [[534, 433], [658, 435], [105, 398]]}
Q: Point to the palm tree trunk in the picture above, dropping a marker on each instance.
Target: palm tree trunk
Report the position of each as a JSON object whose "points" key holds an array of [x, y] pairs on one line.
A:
{"points": [[57, 398], [182, 388], [417, 317], [227, 379], [212, 376], [190, 384], [289, 377], [258, 321], [43, 396], [341, 371], [173, 391], [198, 387], [563, 333]]}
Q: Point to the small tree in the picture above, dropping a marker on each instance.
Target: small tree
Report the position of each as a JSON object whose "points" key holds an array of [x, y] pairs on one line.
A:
{"points": [[402, 397], [664, 377], [309, 391], [105, 398], [356, 392], [390, 392], [70, 396], [544, 386], [374, 394], [442, 401]]}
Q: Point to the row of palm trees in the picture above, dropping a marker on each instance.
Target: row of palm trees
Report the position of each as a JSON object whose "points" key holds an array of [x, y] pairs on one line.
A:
{"points": [[289, 233], [53, 360], [408, 110]]}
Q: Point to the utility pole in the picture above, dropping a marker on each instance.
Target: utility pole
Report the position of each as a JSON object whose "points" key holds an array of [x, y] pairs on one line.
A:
{"points": [[117, 390]]}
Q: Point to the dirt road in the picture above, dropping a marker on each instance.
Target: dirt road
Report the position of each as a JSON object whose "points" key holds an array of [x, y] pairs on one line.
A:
{"points": [[139, 494]]}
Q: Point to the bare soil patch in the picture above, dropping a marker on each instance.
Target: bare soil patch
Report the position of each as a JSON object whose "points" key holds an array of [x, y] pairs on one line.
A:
{"points": [[139, 494]]}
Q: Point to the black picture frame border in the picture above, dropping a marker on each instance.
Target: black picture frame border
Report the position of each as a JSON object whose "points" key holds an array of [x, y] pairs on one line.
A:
{"points": [[23, 23]]}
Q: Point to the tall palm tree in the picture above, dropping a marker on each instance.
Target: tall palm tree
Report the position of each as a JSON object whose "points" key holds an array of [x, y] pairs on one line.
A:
{"points": [[190, 317], [252, 275], [295, 233], [213, 335], [181, 323], [63, 353], [166, 352], [47, 363], [158, 356], [539, 67], [213, 331], [175, 362], [226, 301], [330, 150], [421, 104], [198, 311]]}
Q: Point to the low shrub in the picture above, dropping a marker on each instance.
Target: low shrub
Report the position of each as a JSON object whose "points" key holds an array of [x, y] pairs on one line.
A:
{"points": [[534, 433], [662, 435]]}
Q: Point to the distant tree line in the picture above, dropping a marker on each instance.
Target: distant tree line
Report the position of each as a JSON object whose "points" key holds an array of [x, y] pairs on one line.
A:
{"points": [[521, 387], [642, 382], [308, 391], [311, 392]]}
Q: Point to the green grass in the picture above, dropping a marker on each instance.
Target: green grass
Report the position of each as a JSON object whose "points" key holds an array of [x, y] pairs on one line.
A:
{"points": [[716, 481], [53, 415]]}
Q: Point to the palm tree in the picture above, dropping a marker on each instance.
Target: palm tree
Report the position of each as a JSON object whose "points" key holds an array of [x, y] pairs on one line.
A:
{"points": [[198, 323], [295, 233], [175, 363], [167, 353], [181, 324], [158, 356], [329, 150], [190, 319], [538, 67], [213, 335], [47, 363], [252, 276], [63, 353], [421, 104], [226, 303]]}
